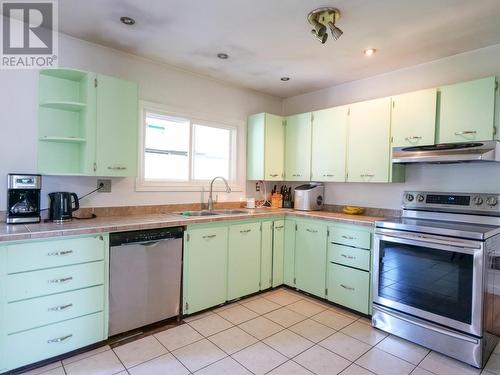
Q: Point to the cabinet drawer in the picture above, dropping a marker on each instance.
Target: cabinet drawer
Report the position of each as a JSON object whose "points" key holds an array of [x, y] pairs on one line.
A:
{"points": [[50, 341], [40, 283], [32, 313], [349, 287], [349, 256], [53, 253], [350, 237]]}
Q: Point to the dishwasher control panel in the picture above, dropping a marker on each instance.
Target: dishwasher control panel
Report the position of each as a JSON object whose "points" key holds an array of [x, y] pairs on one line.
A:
{"points": [[146, 235]]}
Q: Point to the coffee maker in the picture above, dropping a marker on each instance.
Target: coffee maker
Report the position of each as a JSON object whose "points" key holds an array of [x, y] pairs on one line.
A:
{"points": [[23, 198]]}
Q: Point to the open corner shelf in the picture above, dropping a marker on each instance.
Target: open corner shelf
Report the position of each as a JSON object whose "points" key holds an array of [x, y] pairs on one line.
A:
{"points": [[64, 105], [63, 139]]}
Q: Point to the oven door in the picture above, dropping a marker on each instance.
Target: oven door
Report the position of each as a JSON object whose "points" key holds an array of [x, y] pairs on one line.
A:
{"points": [[432, 277]]}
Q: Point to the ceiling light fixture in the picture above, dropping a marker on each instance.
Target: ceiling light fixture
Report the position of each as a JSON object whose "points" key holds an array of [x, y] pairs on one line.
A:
{"points": [[223, 56], [127, 20], [284, 79], [321, 18], [369, 51]]}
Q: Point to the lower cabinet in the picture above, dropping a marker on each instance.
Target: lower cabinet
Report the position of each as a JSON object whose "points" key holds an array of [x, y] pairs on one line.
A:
{"points": [[278, 252], [53, 297], [310, 257], [243, 264], [205, 267], [349, 287]]}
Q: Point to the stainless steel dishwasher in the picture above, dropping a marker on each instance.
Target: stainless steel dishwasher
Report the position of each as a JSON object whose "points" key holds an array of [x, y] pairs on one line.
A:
{"points": [[145, 277]]}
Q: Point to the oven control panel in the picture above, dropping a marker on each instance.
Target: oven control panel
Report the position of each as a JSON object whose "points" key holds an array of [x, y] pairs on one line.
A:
{"points": [[459, 202]]}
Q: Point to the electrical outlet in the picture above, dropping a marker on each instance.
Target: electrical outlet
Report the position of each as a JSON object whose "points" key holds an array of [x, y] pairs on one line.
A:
{"points": [[257, 186], [106, 186]]}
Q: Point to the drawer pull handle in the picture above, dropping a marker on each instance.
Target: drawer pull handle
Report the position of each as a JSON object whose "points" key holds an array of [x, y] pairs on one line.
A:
{"points": [[328, 175], [60, 281], [280, 227], [60, 253], [245, 231], [367, 175], [60, 339], [347, 256], [296, 175], [466, 132], [273, 175], [346, 287], [414, 138], [117, 168], [311, 230], [209, 236], [60, 308], [348, 237]]}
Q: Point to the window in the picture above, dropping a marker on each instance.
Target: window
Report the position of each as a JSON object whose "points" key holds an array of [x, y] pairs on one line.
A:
{"points": [[185, 151]]}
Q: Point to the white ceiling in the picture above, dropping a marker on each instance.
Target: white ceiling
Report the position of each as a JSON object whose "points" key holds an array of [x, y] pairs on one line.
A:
{"points": [[268, 39]]}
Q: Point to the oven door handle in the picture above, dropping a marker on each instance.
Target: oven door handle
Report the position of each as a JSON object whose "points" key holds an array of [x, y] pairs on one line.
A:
{"points": [[419, 238]]}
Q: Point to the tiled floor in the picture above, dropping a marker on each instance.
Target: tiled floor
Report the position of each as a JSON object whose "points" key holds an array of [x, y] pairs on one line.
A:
{"points": [[281, 333]]}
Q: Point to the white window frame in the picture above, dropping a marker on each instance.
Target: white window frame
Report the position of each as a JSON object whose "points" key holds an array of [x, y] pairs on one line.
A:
{"points": [[236, 147]]}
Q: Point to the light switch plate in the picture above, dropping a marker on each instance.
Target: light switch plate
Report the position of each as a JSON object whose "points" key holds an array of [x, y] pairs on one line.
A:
{"points": [[106, 188]]}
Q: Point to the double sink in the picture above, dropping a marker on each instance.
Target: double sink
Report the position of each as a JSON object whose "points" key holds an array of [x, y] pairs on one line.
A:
{"points": [[202, 213]]}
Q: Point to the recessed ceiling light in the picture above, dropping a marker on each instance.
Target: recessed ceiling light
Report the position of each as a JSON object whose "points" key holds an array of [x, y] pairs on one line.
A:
{"points": [[369, 51], [284, 79], [127, 20], [223, 56]]}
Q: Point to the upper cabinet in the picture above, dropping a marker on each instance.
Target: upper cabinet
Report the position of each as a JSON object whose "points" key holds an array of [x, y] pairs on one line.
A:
{"points": [[117, 119], [413, 118], [329, 136], [368, 147], [87, 124], [466, 111], [298, 147], [265, 147]]}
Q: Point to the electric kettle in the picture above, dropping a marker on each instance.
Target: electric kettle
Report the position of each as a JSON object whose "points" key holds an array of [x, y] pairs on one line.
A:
{"points": [[62, 206]]}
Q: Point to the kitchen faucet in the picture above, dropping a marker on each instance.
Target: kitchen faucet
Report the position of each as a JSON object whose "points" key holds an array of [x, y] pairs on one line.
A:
{"points": [[210, 199]]}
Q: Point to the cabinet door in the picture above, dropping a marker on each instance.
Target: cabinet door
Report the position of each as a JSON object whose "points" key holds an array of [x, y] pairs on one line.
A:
{"points": [[289, 253], [329, 138], [368, 147], [298, 147], [117, 127], [205, 268], [255, 146], [278, 251], [349, 287], [310, 258], [413, 118], [243, 271], [274, 161], [266, 256], [466, 112]]}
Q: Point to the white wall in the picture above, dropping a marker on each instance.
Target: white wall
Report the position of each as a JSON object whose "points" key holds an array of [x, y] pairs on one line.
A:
{"points": [[157, 83], [460, 177]]}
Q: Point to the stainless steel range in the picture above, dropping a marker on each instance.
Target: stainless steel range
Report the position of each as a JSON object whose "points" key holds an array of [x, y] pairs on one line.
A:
{"points": [[435, 273]]}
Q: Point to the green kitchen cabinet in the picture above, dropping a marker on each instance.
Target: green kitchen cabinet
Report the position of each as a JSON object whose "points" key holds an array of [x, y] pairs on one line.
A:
{"points": [[310, 257], [467, 111], [289, 253], [413, 118], [54, 296], [205, 267], [298, 147], [349, 287], [265, 147], [368, 145], [87, 124], [266, 255], [278, 251], [243, 263], [329, 139], [117, 123]]}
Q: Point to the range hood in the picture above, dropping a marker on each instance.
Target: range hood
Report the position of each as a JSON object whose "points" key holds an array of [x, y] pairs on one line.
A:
{"points": [[448, 153]]}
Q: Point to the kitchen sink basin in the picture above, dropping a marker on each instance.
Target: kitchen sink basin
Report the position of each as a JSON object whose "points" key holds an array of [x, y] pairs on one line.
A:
{"points": [[197, 213], [231, 212]]}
